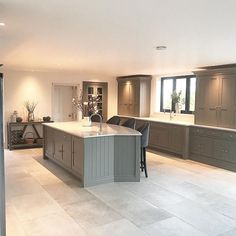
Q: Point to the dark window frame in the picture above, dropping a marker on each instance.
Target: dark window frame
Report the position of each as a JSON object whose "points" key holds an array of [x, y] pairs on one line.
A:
{"points": [[187, 95]]}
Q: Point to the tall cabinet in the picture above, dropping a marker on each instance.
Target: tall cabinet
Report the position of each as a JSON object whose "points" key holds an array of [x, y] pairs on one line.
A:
{"points": [[216, 97], [134, 94], [98, 89]]}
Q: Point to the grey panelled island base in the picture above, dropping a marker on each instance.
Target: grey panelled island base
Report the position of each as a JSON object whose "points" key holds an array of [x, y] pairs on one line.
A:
{"points": [[110, 156]]}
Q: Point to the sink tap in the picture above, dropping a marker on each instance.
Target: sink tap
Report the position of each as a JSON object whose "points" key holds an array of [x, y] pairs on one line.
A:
{"points": [[100, 117], [171, 115]]}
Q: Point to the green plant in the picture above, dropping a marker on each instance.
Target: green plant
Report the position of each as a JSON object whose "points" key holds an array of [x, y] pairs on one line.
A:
{"points": [[176, 96]]}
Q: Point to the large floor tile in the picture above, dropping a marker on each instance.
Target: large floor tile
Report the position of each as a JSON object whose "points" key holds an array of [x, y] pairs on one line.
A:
{"points": [[92, 213], [117, 228], [31, 206], [172, 227]]}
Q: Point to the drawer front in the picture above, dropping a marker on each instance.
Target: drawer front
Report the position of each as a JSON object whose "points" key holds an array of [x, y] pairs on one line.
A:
{"points": [[225, 150], [201, 145]]}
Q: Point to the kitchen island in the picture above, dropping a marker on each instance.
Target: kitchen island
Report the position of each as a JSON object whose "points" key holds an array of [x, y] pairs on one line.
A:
{"points": [[95, 157]]}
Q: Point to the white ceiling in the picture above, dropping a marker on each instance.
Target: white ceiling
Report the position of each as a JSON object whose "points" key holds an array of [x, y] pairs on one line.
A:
{"points": [[117, 37]]}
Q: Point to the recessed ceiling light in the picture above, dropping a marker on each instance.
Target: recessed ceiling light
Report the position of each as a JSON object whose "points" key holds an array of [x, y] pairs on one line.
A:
{"points": [[161, 47], [2, 24]]}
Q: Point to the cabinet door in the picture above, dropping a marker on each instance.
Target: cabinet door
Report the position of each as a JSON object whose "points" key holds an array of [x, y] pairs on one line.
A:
{"points": [[227, 101], [201, 145], [63, 148], [200, 104], [123, 98], [77, 155], [176, 138], [134, 95], [49, 142], [159, 135], [212, 101]]}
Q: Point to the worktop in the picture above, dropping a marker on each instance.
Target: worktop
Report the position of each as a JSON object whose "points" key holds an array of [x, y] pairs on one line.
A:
{"points": [[94, 157], [77, 129]]}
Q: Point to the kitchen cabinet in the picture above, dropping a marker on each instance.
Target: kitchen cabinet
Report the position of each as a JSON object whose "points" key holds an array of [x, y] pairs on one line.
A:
{"points": [[62, 148], [77, 155], [166, 137], [99, 89], [216, 98], [213, 146], [49, 143], [134, 95]]}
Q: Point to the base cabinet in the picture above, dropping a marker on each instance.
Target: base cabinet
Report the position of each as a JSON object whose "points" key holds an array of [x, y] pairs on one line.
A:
{"points": [[214, 147], [77, 155], [166, 137]]}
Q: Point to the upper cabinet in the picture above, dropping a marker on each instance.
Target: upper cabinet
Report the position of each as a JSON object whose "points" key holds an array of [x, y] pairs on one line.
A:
{"points": [[134, 95], [216, 97], [98, 89]]}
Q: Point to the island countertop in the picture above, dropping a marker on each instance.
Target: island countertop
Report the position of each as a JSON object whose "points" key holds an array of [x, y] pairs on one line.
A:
{"points": [[77, 129]]}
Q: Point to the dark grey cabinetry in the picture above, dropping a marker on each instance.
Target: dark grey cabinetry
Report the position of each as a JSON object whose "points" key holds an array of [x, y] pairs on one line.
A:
{"points": [[214, 147], [134, 95], [216, 98], [166, 137]]}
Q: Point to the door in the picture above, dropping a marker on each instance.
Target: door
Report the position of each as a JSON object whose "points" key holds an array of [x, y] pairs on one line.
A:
{"points": [[63, 109], [78, 156], [2, 176]]}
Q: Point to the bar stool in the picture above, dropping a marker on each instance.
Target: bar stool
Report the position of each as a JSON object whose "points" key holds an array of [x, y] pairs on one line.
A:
{"points": [[95, 118], [130, 123], [114, 120], [144, 130]]}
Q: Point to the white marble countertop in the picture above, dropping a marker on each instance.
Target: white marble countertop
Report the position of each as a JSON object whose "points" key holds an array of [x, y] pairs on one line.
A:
{"points": [[183, 123], [77, 129]]}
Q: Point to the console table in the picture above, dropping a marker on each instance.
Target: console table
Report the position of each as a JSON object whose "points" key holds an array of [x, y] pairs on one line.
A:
{"points": [[16, 134]]}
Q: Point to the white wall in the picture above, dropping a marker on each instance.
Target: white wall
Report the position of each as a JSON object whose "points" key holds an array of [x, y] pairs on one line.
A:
{"points": [[34, 85]]}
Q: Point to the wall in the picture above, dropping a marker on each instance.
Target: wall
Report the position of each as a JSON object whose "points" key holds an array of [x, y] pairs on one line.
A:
{"points": [[35, 85]]}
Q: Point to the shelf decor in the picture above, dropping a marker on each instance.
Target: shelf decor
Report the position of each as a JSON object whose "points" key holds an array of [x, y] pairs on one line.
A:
{"points": [[30, 107]]}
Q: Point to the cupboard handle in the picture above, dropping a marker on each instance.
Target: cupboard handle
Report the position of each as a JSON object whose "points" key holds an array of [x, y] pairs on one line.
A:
{"points": [[73, 158]]}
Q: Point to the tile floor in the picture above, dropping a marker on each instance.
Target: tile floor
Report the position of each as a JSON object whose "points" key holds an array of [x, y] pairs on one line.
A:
{"points": [[179, 198]]}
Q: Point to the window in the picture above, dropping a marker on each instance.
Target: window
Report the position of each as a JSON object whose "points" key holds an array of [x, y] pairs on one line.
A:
{"points": [[184, 84]]}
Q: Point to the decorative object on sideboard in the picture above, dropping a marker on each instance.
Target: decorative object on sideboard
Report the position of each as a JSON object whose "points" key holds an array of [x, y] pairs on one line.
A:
{"points": [[19, 119], [46, 118], [14, 116], [176, 100], [30, 107]]}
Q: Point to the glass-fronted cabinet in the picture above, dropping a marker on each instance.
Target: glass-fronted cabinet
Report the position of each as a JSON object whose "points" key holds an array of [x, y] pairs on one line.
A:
{"points": [[97, 91]]}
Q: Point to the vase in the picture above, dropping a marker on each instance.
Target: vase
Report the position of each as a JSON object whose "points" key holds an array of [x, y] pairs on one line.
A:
{"points": [[177, 108], [86, 121], [30, 116]]}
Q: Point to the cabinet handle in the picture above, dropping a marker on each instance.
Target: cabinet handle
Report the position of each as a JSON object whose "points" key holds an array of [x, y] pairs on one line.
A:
{"points": [[73, 152]]}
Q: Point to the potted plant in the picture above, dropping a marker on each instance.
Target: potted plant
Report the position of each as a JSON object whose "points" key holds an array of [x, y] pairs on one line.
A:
{"points": [[176, 100]]}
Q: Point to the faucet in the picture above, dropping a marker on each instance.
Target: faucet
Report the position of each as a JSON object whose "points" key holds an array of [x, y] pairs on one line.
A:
{"points": [[171, 115], [100, 117]]}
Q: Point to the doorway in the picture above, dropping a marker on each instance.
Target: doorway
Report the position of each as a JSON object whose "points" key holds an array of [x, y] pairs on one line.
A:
{"points": [[62, 107]]}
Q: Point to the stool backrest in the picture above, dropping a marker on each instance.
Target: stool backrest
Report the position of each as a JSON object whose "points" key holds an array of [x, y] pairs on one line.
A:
{"points": [[114, 120], [130, 123], [144, 130], [95, 118]]}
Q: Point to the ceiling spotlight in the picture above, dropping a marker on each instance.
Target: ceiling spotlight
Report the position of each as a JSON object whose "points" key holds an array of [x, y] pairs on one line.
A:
{"points": [[161, 48], [2, 24]]}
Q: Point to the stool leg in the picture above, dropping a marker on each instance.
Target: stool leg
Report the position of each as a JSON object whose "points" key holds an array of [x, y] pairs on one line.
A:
{"points": [[144, 162], [141, 161]]}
